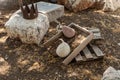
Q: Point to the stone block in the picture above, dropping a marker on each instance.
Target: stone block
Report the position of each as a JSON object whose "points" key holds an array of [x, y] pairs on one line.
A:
{"points": [[29, 31], [53, 11]]}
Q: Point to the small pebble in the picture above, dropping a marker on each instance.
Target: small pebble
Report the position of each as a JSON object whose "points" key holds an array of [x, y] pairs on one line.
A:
{"points": [[118, 44]]}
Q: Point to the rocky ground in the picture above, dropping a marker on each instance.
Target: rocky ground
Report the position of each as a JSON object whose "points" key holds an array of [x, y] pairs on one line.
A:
{"points": [[19, 61]]}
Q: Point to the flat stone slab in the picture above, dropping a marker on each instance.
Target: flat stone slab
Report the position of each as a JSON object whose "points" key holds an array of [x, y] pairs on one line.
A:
{"points": [[53, 11]]}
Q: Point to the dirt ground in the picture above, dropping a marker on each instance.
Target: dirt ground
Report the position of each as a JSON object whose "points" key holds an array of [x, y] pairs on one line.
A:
{"points": [[19, 61]]}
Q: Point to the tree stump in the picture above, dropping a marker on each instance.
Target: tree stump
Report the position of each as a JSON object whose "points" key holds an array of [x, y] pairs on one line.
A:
{"points": [[29, 31]]}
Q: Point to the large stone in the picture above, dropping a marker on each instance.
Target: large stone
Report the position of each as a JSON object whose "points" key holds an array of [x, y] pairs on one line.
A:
{"points": [[111, 5], [53, 11], [111, 74], [78, 5], [29, 31]]}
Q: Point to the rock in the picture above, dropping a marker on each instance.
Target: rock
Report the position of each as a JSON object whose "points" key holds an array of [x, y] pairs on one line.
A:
{"points": [[4, 66], [111, 74], [111, 5], [78, 5], [118, 44], [116, 4], [63, 49], [29, 31], [108, 6], [68, 32], [53, 11]]}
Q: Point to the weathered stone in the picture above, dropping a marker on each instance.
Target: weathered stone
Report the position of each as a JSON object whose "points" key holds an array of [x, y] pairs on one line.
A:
{"points": [[111, 74], [68, 31], [78, 5], [81, 5], [4, 66], [53, 11], [29, 31], [118, 44], [111, 5]]}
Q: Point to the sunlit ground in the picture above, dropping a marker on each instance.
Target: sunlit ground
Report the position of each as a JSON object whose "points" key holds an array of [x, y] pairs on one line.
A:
{"points": [[27, 62]]}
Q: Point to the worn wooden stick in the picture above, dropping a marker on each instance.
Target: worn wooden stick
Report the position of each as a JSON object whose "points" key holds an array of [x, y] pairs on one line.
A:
{"points": [[54, 38], [81, 28]]}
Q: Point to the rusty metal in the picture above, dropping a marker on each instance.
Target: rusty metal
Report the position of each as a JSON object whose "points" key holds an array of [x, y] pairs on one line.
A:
{"points": [[28, 11]]}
